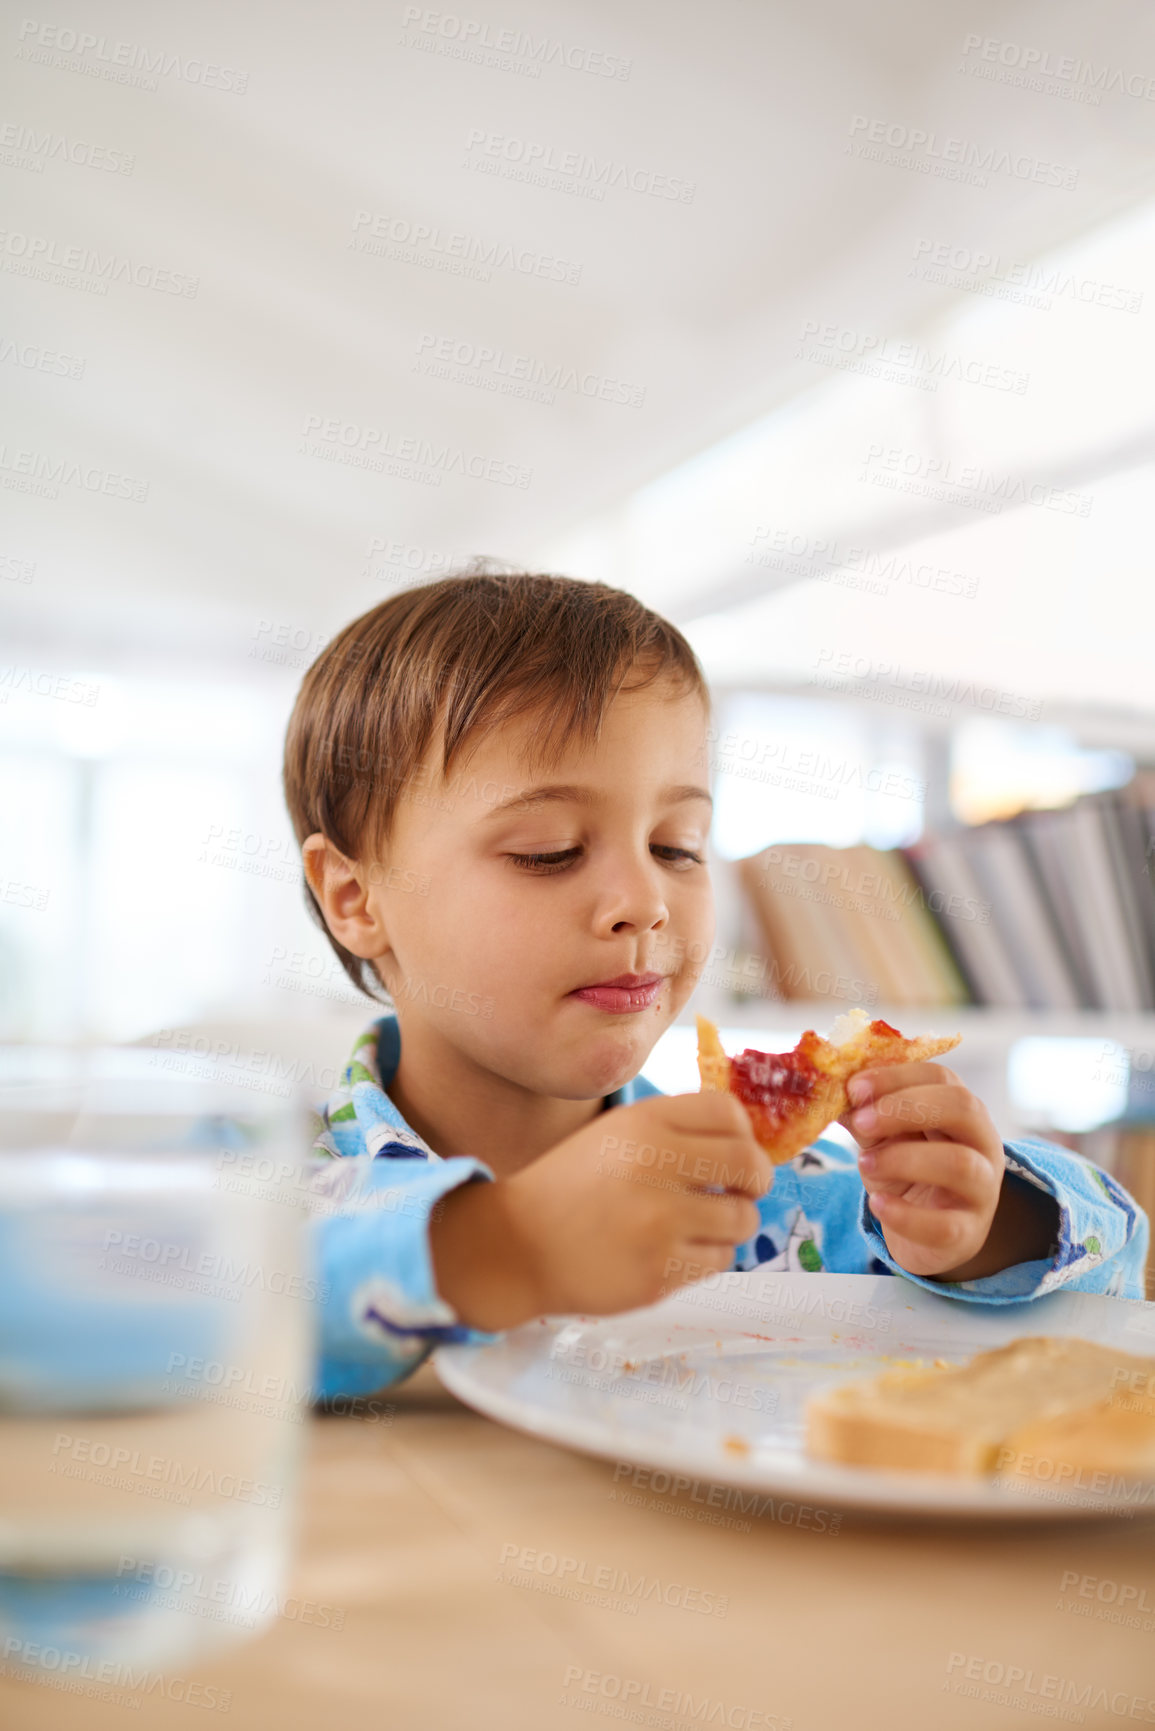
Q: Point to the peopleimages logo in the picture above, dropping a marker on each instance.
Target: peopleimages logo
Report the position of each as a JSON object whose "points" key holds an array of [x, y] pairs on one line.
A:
{"points": [[82, 1674], [821, 557], [37, 148], [508, 50], [120, 62], [901, 360], [1107, 1601], [164, 1476], [941, 478], [38, 360], [716, 1501], [629, 1695], [843, 670], [34, 254], [378, 449], [1022, 1687], [970, 268], [222, 1598], [738, 754], [497, 369], [950, 158], [622, 1591], [567, 170], [453, 250], [615, 1372], [62, 686], [130, 1251], [37, 472], [1025, 64]]}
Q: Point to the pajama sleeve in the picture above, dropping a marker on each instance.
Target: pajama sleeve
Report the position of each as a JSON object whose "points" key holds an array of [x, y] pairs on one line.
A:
{"points": [[1102, 1240], [380, 1314]]}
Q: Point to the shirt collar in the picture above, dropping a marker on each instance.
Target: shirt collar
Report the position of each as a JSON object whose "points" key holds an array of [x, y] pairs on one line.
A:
{"points": [[388, 1055], [359, 1118]]}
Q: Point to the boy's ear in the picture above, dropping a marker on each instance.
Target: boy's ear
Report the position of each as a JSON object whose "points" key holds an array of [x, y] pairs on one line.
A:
{"points": [[341, 889]]}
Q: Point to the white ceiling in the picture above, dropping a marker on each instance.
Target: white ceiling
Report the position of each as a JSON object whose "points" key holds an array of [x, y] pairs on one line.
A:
{"points": [[701, 303]]}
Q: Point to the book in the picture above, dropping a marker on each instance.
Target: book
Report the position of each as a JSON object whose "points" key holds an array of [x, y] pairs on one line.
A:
{"points": [[1117, 982], [1127, 846], [963, 912], [1049, 910], [929, 975], [1044, 841], [803, 954], [1002, 867]]}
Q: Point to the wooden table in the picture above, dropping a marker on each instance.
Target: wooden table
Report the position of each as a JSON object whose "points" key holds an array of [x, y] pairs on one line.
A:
{"points": [[406, 1616]]}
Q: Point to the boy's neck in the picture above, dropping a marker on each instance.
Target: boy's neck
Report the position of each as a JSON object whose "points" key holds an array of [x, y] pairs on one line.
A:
{"points": [[457, 1109]]}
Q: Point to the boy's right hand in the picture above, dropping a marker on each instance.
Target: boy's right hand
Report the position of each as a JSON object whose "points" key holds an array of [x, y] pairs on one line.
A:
{"points": [[621, 1212]]}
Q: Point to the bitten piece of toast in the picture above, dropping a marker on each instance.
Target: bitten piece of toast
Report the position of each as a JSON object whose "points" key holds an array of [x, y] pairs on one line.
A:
{"points": [[792, 1096]]}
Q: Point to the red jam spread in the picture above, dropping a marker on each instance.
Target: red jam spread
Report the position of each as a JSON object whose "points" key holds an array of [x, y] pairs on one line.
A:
{"points": [[780, 1083], [885, 1028]]}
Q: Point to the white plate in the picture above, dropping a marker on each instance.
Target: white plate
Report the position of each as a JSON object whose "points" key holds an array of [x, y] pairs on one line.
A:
{"points": [[711, 1383]]}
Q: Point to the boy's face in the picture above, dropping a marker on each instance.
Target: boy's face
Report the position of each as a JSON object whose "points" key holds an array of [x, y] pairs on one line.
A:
{"points": [[492, 959]]}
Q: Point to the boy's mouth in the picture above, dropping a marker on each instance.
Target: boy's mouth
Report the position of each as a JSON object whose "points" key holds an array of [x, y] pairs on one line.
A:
{"points": [[625, 992]]}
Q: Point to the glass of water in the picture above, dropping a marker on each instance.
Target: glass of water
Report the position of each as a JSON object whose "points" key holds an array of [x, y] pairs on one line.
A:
{"points": [[157, 1330]]}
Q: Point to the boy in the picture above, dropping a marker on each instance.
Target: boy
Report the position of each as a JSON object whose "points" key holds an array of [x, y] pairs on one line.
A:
{"points": [[497, 784]]}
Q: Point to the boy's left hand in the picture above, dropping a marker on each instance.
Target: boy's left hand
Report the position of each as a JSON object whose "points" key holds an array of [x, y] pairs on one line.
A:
{"points": [[932, 1163]]}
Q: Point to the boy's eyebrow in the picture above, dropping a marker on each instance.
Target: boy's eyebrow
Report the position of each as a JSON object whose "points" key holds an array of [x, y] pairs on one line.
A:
{"points": [[554, 793]]}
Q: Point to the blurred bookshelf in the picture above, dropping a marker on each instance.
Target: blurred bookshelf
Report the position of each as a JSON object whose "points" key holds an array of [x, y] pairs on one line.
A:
{"points": [[1051, 910], [1038, 922]]}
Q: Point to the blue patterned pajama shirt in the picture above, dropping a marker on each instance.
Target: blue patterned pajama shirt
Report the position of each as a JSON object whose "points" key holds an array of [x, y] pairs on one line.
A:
{"points": [[376, 1182]]}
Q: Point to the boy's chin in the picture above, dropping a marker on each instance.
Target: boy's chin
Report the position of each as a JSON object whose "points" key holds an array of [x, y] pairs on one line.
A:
{"points": [[610, 1060]]}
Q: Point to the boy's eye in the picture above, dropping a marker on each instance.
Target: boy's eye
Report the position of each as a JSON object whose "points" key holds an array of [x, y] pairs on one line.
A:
{"points": [[546, 863]]}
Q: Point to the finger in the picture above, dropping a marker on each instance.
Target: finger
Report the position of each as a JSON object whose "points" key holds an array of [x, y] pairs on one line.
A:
{"points": [[714, 1112], [879, 1079], [739, 1166], [948, 1231], [718, 1143], [736, 1171], [746, 1172], [692, 1259], [724, 1219], [952, 1167], [739, 1171], [726, 1157], [945, 1108]]}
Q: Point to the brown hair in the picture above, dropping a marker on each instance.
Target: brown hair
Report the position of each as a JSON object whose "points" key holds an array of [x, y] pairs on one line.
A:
{"points": [[468, 652]]}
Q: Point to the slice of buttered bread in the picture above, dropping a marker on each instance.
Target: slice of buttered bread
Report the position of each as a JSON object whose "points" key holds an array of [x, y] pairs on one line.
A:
{"points": [[996, 1409]]}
